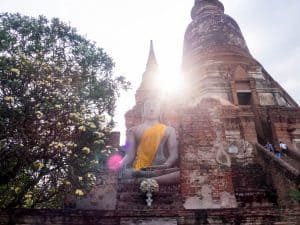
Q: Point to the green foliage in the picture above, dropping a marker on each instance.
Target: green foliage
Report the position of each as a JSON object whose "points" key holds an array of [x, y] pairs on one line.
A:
{"points": [[295, 194], [57, 99]]}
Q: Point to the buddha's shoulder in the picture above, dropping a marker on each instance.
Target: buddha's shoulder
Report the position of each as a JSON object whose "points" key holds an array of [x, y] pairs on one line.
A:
{"points": [[136, 129]]}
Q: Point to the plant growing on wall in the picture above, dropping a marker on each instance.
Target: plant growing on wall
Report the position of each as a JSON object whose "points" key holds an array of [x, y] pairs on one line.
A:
{"points": [[295, 194]]}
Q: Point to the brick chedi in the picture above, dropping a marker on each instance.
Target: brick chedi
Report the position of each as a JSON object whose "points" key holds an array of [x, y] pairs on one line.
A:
{"points": [[217, 62], [230, 93]]}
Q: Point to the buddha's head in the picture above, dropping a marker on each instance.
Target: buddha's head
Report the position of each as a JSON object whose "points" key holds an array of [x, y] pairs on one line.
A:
{"points": [[151, 109]]}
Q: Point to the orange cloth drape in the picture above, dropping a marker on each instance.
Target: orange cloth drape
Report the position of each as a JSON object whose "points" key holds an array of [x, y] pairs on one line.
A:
{"points": [[148, 146]]}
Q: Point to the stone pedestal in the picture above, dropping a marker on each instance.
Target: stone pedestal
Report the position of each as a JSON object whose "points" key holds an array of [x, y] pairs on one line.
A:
{"points": [[130, 197]]}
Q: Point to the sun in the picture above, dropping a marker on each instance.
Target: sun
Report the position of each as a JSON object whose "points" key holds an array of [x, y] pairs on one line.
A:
{"points": [[170, 80]]}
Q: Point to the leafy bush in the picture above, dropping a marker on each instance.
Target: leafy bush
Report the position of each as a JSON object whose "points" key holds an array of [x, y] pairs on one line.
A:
{"points": [[57, 99]]}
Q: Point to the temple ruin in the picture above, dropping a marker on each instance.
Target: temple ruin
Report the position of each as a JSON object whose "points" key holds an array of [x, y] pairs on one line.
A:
{"points": [[230, 107]]}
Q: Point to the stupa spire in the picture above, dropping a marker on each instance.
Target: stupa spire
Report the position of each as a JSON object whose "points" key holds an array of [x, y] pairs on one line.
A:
{"points": [[148, 85], [151, 58]]}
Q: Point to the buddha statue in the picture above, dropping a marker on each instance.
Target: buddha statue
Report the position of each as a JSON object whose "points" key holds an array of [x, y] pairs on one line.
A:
{"points": [[151, 149]]}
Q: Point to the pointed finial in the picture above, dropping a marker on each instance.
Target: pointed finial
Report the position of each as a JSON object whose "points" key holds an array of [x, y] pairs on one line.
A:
{"points": [[151, 58], [151, 45]]}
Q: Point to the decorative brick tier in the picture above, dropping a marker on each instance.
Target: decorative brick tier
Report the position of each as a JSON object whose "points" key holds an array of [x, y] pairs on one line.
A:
{"points": [[130, 197]]}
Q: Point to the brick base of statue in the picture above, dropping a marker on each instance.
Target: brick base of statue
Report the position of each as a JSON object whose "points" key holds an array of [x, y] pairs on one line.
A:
{"points": [[130, 197]]}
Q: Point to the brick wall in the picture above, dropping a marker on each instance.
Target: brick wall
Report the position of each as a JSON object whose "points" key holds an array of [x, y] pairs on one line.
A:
{"points": [[246, 216], [204, 182]]}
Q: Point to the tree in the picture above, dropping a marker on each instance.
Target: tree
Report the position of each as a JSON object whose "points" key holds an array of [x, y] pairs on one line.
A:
{"points": [[57, 100]]}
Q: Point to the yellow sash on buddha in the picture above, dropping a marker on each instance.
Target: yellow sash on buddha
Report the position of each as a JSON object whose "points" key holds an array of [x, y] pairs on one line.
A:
{"points": [[148, 146]]}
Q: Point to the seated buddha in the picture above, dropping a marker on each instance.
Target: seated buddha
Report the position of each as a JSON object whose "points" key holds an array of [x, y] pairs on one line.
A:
{"points": [[151, 149]]}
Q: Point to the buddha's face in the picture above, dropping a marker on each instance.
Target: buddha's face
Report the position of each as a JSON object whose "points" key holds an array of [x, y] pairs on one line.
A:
{"points": [[151, 109]]}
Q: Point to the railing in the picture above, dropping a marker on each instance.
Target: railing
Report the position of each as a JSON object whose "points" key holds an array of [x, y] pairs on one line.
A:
{"points": [[282, 174], [291, 172], [293, 153]]}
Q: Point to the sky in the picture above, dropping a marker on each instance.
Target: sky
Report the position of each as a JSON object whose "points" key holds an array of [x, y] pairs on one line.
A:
{"points": [[124, 28]]}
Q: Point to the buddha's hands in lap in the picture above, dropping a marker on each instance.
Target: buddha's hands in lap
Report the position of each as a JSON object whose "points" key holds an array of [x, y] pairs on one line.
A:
{"points": [[158, 167]]}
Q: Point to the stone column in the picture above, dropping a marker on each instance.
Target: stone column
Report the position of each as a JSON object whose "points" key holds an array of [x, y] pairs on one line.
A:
{"points": [[233, 90]]}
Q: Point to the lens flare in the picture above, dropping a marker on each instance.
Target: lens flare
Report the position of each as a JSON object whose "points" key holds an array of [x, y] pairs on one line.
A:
{"points": [[114, 162]]}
